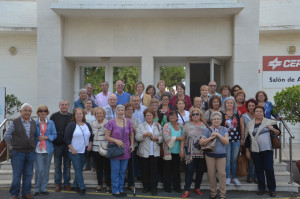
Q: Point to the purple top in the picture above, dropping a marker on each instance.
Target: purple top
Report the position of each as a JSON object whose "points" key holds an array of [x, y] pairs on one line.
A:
{"points": [[117, 133]]}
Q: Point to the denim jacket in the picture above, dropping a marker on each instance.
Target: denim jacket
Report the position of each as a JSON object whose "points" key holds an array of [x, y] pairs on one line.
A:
{"points": [[50, 133]]}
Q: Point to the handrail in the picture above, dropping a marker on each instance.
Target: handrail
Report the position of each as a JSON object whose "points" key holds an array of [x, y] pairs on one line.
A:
{"points": [[287, 128], [2, 124]]}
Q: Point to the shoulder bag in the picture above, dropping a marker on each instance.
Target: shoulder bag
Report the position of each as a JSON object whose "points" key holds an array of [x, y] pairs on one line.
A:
{"points": [[113, 150], [276, 144], [86, 152], [209, 146]]}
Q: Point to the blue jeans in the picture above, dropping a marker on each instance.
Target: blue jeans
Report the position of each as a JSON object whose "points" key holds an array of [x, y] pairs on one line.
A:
{"points": [[78, 161], [263, 162], [252, 173], [61, 154], [118, 169], [22, 166], [232, 151], [42, 167]]}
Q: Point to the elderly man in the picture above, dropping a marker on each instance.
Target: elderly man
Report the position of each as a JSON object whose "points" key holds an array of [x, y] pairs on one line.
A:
{"points": [[82, 97], [21, 136], [212, 86], [102, 98], [61, 119], [198, 103], [122, 96], [110, 109], [138, 108], [89, 91]]}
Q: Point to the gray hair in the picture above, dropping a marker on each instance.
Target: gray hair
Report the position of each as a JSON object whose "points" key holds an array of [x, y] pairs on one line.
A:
{"points": [[103, 83], [25, 105], [62, 101], [120, 106], [89, 84], [81, 90], [113, 95], [235, 110], [216, 113]]}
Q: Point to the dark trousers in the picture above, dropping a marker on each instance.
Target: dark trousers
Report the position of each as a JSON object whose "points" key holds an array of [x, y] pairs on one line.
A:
{"points": [[263, 163], [172, 173], [199, 165], [102, 164], [149, 172]]}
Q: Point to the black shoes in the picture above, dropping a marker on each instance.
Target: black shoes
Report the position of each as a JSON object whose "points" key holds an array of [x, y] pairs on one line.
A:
{"points": [[260, 192], [145, 190], [212, 197], [45, 193], [272, 194], [154, 193], [82, 192], [36, 193], [118, 195]]}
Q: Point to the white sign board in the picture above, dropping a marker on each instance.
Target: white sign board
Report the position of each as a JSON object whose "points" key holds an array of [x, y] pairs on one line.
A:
{"points": [[2, 104]]}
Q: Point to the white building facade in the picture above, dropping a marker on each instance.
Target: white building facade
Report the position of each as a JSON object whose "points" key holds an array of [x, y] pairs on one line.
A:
{"points": [[221, 40]]}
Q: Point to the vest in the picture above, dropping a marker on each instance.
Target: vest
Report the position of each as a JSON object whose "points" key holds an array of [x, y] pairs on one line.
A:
{"points": [[20, 141]]}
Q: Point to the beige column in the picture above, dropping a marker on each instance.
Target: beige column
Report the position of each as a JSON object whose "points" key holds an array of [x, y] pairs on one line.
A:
{"points": [[147, 70]]}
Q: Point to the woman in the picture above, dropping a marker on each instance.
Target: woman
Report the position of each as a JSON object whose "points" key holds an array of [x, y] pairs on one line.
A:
{"points": [[250, 105], [258, 141], [234, 122], [173, 150], [180, 88], [165, 107], [225, 91], [78, 137], [139, 87], [235, 88], [90, 118], [183, 115], [129, 109], [262, 99], [150, 90], [149, 136], [114, 133], [214, 105], [161, 85], [204, 96], [216, 160], [99, 149], [240, 97], [159, 117], [45, 134], [194, 157]]}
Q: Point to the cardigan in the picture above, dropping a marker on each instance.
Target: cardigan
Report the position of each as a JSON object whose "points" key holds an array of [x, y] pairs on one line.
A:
{"points": [[70, 130]]}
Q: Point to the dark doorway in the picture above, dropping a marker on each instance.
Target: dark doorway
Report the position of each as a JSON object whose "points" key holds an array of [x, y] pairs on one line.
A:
{"points": [[199, 75]]}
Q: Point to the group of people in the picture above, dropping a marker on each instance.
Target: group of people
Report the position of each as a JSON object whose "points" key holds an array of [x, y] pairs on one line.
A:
{"points": [[157, 130]]}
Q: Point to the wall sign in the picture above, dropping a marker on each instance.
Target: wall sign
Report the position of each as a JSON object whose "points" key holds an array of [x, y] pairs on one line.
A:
{"points": [[281, 71]]}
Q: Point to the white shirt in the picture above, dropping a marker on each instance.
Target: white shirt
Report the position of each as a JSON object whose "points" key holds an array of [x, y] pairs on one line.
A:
{"points": [[186, 117], [151, 142], [90, 118], [80, 138], [38, 148], [139, 114]]}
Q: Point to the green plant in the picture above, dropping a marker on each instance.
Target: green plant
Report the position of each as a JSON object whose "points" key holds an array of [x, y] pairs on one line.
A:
{"points": [[287, 103], [12, 104]]}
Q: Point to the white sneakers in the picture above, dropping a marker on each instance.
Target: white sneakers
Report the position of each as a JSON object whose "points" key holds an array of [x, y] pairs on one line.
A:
{"points": [[235, 181]]}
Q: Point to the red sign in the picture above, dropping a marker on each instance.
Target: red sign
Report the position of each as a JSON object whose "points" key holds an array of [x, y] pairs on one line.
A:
{"points": [[281, 63]]}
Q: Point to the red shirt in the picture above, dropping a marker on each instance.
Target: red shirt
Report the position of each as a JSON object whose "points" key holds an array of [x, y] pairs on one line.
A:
{"points": [[187, 99], [243, 108]]}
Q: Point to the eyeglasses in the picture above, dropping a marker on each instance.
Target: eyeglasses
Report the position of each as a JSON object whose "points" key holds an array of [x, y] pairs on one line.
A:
{"points": [[120, 85], [212, 85], [216, 119], [45, 111], [195, 114]]}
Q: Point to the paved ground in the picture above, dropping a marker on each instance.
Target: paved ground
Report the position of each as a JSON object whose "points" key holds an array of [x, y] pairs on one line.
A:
{"points": [[91, 194]]}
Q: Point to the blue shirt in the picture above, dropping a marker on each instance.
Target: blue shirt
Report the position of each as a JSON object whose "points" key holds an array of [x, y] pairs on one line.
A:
{"points": [[176, 148], [123, 99], [11, 129], [269, 110], [80, 104]]}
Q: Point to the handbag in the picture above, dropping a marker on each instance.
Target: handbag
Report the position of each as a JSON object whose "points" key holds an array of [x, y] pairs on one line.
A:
{"points": [[276, 144], [242, 165], [113, 150], [210, 146]]}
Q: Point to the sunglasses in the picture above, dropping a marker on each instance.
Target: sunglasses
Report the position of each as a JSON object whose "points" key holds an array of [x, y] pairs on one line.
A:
{"points": [[195, 114], [45, 111]]}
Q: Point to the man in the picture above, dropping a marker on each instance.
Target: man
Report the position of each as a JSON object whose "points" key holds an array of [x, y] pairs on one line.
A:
{"points": [[139, 109], [110, 109], [89, 91], [21, 136], [198, 104], [145, 98], [212, 86], [81, 100], [102, 98], [61, 120], [122, 96]]}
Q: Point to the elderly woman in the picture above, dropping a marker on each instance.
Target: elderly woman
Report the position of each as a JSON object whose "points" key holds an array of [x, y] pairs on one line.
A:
{"points": [[180, 88], [82, 97], [158, 117], [262, 99], [235, 88], [216, 160], [79, 138], [45, 134], [146, 99], [214, 105], [173, 151], [99, 149], [149, 136], [233, 121], [225, 92], [250, 105], [165, 106], [258, 141], [240, 97], [150, 90], [161, 85], [183, 115], [194, 157], [205, 97], [114, 133]]}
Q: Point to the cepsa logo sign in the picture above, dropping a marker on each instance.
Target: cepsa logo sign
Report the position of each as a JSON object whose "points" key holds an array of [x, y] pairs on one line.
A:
{"points": [[281, 63]]}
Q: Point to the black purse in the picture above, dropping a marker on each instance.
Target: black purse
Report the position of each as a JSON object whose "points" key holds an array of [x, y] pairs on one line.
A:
{"points": [[113, 150]]}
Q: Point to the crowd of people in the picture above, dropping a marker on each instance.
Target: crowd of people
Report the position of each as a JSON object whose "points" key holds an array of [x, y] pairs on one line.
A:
{"points": [[157, 131]]}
